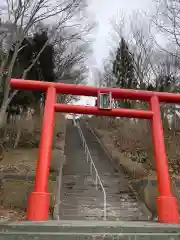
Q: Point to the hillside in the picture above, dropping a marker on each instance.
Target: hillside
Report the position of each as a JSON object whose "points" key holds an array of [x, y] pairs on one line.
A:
{"points": [[130, 142]]}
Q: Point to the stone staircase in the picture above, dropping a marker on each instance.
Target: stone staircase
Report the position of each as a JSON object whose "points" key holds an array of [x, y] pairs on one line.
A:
{"points": [[80, 199], [88, 230], [122, 203]]}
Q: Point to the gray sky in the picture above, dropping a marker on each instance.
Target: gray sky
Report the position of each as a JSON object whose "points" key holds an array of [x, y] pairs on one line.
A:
{"points": [[103, 11]]}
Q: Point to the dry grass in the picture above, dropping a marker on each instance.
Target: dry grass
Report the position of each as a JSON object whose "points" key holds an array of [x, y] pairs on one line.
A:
{"points": [[134, 169], [132, 141], [14, 193], [21, 161], [15, 214]]}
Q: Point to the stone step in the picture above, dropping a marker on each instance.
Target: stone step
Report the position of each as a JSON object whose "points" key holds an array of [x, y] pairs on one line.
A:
{"points": [[108, 181], [100, 218], [100, 203], [92, 189], [93, 206], [88, 229], [109, 207], [87, 185], [114, 205], [116, 211], [106, 175], [94, 212], [84, 181], [98, 214], [72, 185], [101, 199], [76, 187], [80, 198], [91, 194], [79, 218]]}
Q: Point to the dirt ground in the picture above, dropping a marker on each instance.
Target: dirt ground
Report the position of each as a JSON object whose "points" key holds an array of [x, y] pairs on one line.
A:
{"points": [[16, 161], [22, 162], [14, 214]]}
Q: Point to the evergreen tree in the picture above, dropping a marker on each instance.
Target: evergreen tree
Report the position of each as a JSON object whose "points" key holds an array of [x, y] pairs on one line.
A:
{"points": [[123, 69], [46, 59], [43, 69]]}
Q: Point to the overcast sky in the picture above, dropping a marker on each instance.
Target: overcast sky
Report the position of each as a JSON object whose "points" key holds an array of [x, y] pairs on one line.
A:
{"points": [[103, 11]]}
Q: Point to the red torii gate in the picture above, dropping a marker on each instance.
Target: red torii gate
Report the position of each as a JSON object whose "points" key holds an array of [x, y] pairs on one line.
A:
{"points": [[38, 205]]}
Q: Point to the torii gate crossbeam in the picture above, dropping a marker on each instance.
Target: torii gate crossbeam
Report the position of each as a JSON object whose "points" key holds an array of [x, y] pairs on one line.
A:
{"points": [[38, 205]]}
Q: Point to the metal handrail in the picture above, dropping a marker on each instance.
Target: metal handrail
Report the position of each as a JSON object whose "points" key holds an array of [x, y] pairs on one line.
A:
{"points": [[56, 212], [88, 157]]}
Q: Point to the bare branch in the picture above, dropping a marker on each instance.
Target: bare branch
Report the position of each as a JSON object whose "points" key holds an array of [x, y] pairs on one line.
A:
{"points": [[24, 16]]}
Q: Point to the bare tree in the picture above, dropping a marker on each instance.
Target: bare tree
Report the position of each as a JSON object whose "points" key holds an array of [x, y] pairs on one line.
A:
{"points": [[142, 47], [72, 47], [98, 77], [109, 78], [140, 36], [167, 20], [24, 16]]}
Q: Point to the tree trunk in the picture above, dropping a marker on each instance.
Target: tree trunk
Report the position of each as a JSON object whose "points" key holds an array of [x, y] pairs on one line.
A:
{"points": [[2, 117], [37, 117], [19, 131], [6, 102]]}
